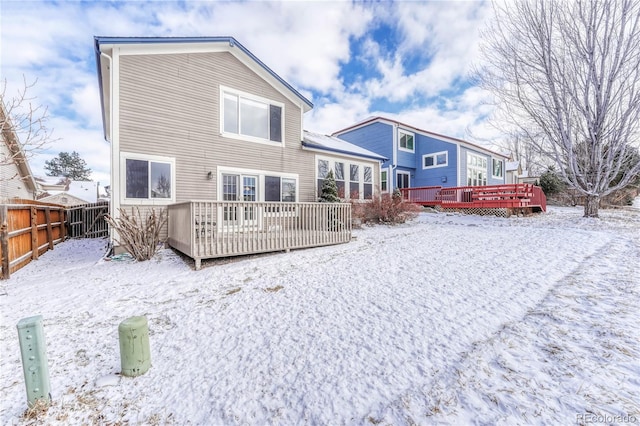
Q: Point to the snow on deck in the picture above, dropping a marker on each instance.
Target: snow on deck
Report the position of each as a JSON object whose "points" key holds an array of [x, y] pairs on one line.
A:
{"points": [[448, 319]]}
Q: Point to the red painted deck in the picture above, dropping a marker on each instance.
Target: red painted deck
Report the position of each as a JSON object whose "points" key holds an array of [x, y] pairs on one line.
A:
{"points": [[515, 196]]}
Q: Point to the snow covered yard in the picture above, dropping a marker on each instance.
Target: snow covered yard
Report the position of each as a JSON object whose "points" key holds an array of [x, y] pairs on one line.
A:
{"points": [[450, 319]]}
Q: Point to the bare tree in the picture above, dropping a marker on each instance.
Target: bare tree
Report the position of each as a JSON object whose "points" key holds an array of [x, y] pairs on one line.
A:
{"points": [[566, 74], [23, 124]]}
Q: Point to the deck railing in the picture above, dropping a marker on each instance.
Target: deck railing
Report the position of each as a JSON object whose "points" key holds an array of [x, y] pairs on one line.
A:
{"points": [[425, 195], [509, 196], [209, 229]]}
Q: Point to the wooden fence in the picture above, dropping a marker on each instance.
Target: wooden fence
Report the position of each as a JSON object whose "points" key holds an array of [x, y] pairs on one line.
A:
{"points": [[87, 221], [27, 231]]}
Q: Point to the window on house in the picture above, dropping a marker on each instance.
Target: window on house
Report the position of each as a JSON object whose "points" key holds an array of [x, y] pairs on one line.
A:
{"points": [[476, 170], [354, 181], [437, 159], [230, 187], [339, 175], [405, 140], [323, 171], [368, 183], [403, 179], [497, 168], [383, 181], [147, 177], [250, 116], [277, 188]]}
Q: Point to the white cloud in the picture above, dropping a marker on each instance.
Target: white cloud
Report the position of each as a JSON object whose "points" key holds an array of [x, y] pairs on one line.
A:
{"points": [[303, 42], [306, 43]]}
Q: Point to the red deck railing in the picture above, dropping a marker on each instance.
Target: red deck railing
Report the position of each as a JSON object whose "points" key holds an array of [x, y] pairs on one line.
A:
{"points": [[492, 196]]}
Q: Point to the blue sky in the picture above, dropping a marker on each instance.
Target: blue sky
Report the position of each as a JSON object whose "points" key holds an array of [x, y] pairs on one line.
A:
{"points": [[407, 60]]}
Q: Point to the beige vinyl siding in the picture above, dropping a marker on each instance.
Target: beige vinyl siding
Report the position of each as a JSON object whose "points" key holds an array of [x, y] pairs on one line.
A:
{"points": [[169, 106]]}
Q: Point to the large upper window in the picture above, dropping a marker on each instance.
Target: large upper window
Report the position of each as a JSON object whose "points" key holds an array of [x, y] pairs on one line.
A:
{"points": [[437, 159], [405, 141], [251, 117], [147, 179]]}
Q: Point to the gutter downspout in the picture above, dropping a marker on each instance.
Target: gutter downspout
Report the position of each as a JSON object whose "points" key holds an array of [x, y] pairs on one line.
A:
{"points": [[394, 159], [112, 205]]}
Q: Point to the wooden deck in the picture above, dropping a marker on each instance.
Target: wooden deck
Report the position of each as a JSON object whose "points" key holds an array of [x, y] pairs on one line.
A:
{"points": [[211, 229], [513, 197]]}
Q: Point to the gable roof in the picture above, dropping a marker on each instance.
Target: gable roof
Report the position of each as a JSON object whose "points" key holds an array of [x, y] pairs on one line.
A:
{"points": [[337, 145], [375, 119], [10, 138], [105, 44]]}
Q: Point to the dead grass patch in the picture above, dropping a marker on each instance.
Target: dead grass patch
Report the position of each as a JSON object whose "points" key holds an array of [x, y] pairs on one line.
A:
{"points": [[37, 410], [232, 291]]}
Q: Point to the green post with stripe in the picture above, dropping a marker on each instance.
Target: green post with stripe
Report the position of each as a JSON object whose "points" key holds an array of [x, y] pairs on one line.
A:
{"points": [[33, 350]]}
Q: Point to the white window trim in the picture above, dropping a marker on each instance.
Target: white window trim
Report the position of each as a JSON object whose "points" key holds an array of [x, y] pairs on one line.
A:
{"points": [[347, 172], [124, 156], [385, 170], [400, 131], [435, 158], [402, 172], [260, 174], [478, 168], [249, 96], [493, 168]]}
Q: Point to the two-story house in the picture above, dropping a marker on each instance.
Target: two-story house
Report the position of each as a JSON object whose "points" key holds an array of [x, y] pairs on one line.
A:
{"points": [[202, 118], [418, 158]]}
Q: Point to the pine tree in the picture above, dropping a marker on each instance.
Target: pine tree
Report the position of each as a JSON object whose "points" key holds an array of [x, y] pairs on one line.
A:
{"points": [[329, 191], [68, 165]]}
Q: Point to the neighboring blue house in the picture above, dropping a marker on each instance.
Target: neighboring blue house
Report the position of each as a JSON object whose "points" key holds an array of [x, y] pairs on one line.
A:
{"points": [[418, 157]]}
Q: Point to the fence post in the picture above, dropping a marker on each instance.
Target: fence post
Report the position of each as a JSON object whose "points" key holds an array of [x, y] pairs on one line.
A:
{"points": [[34, 233], [4, 241], [63, 224], [47, 215]]}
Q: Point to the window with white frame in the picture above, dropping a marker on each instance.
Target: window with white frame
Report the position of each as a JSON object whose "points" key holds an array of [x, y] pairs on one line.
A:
{"points": [[251, 117], [476, 170], [323, 171], [437, 159], [147, 179], [384, 185], [403, 179], [354, 180], [278, 188], [339, 177], [249, 185], [406, 140], [367, 186], [497, 167]]}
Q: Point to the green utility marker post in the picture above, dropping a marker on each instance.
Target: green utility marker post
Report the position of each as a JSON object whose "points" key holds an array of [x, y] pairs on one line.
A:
{"points": [[34, 359], [135, 358]]}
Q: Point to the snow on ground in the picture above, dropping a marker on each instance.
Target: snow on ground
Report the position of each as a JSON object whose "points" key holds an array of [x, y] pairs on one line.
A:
{"points": [[450, 319]]}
